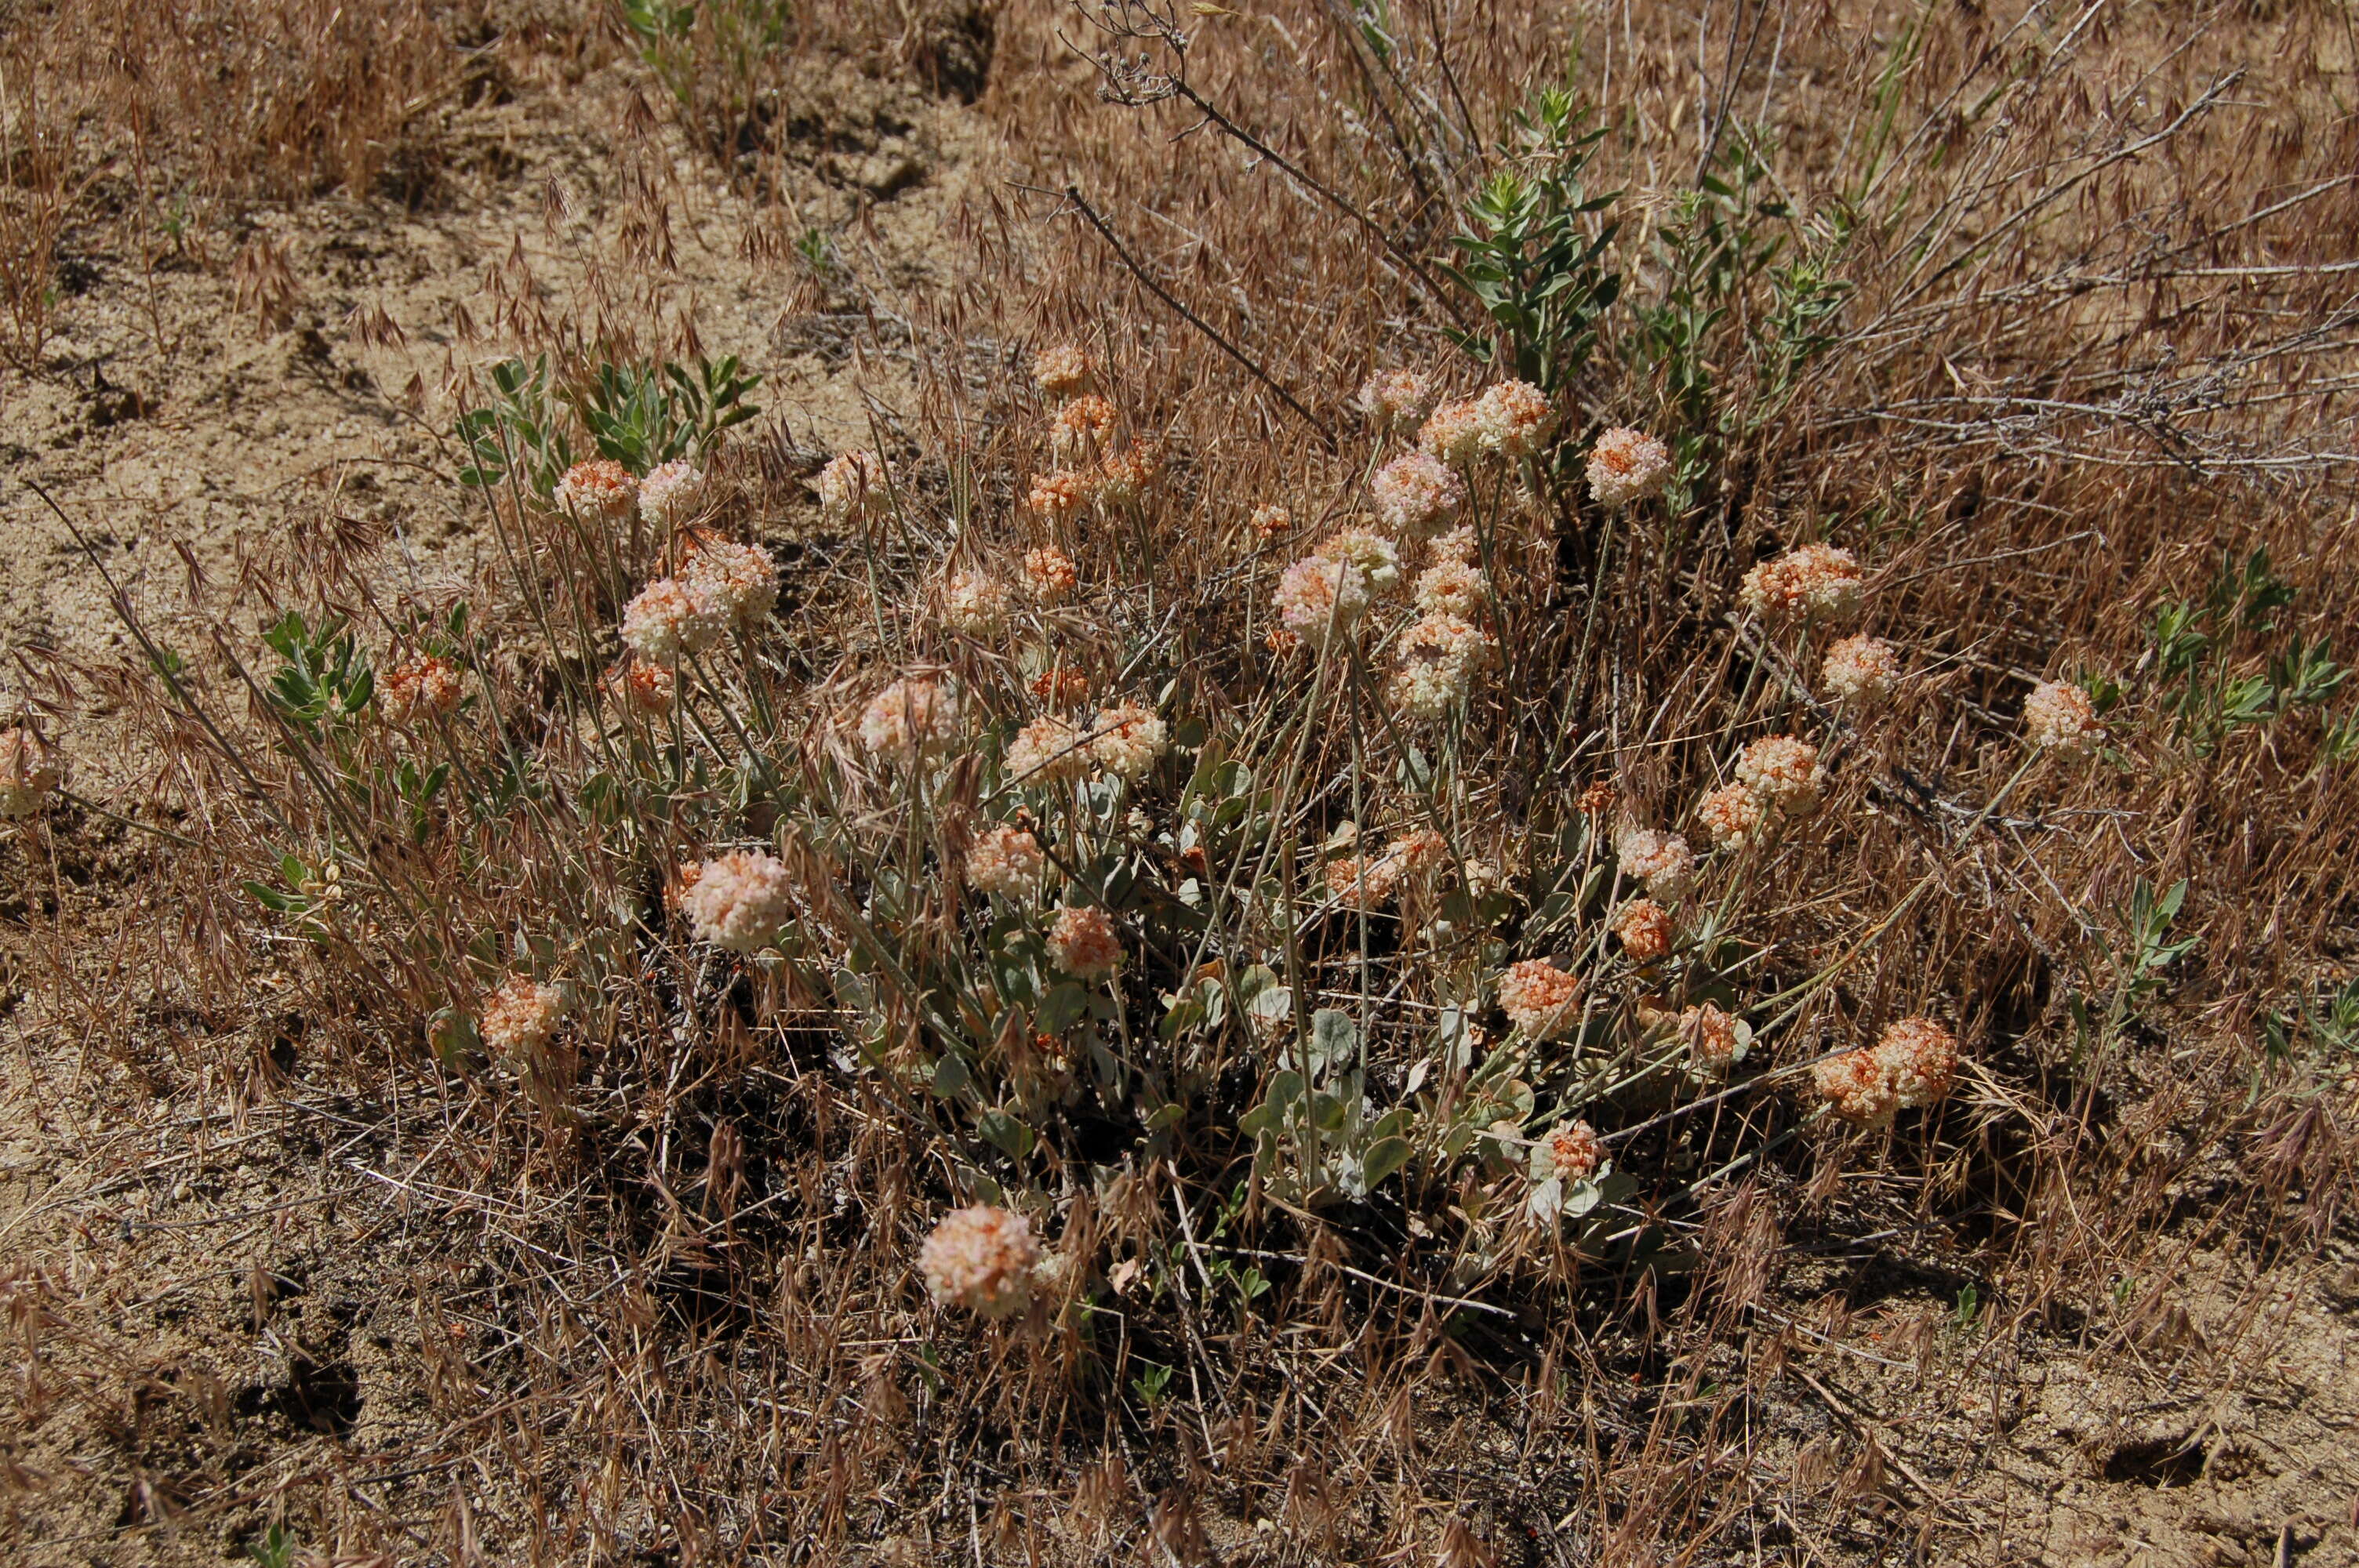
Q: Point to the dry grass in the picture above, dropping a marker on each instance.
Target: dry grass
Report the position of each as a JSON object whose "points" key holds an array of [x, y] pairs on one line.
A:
{"points": [[2085, 336]]}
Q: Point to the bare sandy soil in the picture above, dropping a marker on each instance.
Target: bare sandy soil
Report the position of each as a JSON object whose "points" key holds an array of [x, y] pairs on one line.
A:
{"points": [[214, 1286]]}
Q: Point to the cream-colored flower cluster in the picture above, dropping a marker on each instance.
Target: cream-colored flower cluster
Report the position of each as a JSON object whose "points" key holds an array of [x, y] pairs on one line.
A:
{"points": [[2059, 716], [1512, 419], [1862, 670], [1644, 929], [981, 1259], [1396, 399], [1439, 655], [672, 494], [1663, 861], [1626, 466], [1126, 739], [910, 718], [1416, 493], [738, 900], [854, 485], [1006, 860], [974, 602], [520, 1017]]}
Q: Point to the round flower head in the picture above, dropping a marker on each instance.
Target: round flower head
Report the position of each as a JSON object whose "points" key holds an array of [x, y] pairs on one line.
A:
{"points": [[1538, 998], [1047, 751], [1784, 771], [1451, 588], [1627, 466], [1459, 546], [854, 485], [740, 581], [1081, 431], [1125, 475], [974, 603], [1644, 928], [1006, 860], [1453, 433], [1061, 496], [1126, 740], [1370, 553], [668, 618], [1816, 582], [1061, 369], [2060, 717], [520, 1017], [1362, 881], [672, 493], [1272, 521], [981, 1259], [1922, 1058], [1857, 1086], [643, 688], [1318, 598], [1513, 418], [1574, 1152], [1732, 815], [28, 772], [1049, 572], [1083, 943], [1439, 656], [1862, 670], [418, 690], [1599, 797], [739, 901], [1415, 493], [1396, 399], [909, 719], [600, 491], [1663, 861], [1712, 1040]]}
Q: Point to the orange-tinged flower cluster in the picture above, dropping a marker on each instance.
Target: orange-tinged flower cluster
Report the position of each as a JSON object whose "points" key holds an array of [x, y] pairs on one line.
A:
{"points": [[1627, 466], [1063, 370], [1644, 929], [1084, 942], [520, 1017], [1539, 999], [1006, 860], [1663, 861], [600, 491], [1396, 399], [1910, 1066], [1051, 575], [910, 718], [1126, 739], [1416, 493], [1711, 1039], [2059, 716], [1862, 670], [854, 485], [1815, 582], [418, 690], [1574, 1152]]}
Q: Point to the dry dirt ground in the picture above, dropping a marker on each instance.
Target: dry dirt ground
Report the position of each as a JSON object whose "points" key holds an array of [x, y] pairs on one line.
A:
{"points": [[214, 1284]]}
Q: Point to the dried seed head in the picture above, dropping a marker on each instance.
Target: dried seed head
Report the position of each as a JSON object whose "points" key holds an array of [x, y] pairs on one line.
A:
{"points": [[29, 772], [854, 485], [1921, 1057]]}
